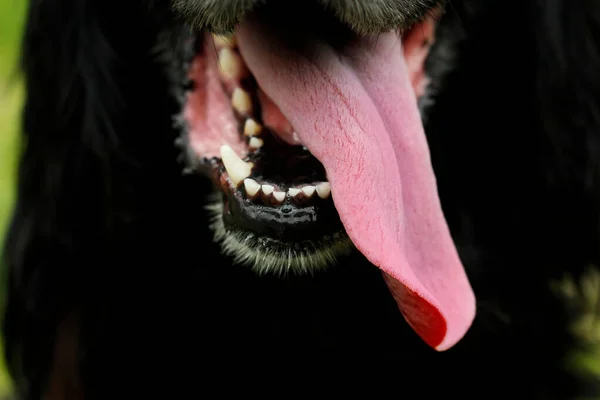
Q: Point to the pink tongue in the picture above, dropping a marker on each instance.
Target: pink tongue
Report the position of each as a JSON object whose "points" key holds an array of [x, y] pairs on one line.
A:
{"points": [[356, 111]]}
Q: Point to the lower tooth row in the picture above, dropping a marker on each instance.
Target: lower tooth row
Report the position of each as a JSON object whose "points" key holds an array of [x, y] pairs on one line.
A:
{"points": [[240, 170], [252, 187]]}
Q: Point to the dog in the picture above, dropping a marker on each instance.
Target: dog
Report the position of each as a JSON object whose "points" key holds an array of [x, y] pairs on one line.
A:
{"points": [[238, 196]]}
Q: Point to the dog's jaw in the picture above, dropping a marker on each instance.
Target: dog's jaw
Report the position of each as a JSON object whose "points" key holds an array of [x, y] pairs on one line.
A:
{"points": [[274, 211], [329, 153], [264, 216], [265, 255]]}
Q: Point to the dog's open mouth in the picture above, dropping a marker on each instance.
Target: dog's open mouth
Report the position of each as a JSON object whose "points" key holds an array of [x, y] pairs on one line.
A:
{"points": [[277, 214], [316, 144]]}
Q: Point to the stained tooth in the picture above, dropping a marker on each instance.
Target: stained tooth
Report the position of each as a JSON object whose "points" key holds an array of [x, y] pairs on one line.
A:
{"points": [[308, 190], [267, 189], [323, 189], [241, 101], [252, 128], [224, 41], [252, 187], [279, 196], [231, 64], [256, 143], [237, 168], [293, 191]]}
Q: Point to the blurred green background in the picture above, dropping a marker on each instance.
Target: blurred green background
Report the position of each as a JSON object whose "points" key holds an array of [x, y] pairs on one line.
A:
{"points": [[11, 20]]}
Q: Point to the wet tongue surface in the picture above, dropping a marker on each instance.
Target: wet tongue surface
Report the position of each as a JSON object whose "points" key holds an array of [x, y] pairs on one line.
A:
{"points": [[355, 109]]}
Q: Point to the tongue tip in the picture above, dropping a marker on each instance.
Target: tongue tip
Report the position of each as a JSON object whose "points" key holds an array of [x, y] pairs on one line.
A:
{"points": [[460, 327], [440, 328], [440, 332]]}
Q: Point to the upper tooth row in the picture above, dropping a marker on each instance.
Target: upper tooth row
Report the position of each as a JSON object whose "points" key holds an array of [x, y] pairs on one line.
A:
{"points": [[241, 101], [252, 187], [231, 65], [252, 128]]}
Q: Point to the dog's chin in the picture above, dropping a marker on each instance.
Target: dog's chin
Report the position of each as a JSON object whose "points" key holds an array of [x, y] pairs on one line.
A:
{"points": [[273, 209], [271, 255]]}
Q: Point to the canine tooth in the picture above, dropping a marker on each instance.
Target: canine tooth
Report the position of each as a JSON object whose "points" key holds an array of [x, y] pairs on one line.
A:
{"points": [[252, 187], [279, 196], [267, 189], [241, 101], [293, 191], [256, 143], [252, 128], [237, 168], [224, 41], [231, 64], [323, 189], [308, 190]]}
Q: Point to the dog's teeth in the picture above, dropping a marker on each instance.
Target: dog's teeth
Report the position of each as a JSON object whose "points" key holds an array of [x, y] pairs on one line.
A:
{"points": [[293, 192], [252, 187], [231, 64], [241, 101], [256, 143], [252, 128], [224, 41], [308, 190], [279, 196], [323, 189], [237, 168], [267, 189], [296, 138]]}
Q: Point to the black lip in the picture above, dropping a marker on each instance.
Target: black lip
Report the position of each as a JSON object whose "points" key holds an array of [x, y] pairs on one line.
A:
{"points": [[286, 222]]}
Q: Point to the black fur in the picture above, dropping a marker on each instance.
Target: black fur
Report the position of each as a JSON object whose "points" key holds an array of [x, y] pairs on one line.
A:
{"points": [[371, 16], [107, 231]]}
